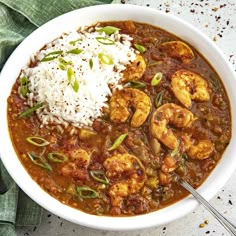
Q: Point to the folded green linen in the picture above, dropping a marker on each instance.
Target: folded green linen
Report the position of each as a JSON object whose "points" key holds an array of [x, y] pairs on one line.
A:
{"points": [[18, 18]]}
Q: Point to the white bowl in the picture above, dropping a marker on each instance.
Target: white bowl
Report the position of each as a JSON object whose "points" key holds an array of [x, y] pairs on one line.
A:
{"points": [[88, 16]]}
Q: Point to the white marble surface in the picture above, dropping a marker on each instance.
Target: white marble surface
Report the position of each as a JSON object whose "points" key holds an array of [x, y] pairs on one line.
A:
{"points": [[217, 19]]}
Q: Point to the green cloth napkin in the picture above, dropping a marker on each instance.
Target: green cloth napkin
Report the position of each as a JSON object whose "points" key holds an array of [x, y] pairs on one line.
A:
{"points": [[18, 18]]}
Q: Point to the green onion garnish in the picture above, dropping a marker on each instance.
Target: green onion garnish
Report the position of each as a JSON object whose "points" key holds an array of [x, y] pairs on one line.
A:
{"points": [[72, 79], [184, 156], [156, 79], [24, 86], [154, 63], [91, 63], [105, 59], [51, 56], [175, 151], [39, 160], [30, 111], [74, 41], [37, 141], [108, 30], [63, 63], [158, 99], [99, 176], [105, 41], [135, 84], [118, 142], [75, 51], [62, 66], [86, 192], [57, 157], [140, 48]]}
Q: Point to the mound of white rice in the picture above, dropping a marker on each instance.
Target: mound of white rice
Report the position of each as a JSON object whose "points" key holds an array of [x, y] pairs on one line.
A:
{"points": [[49, 83]]}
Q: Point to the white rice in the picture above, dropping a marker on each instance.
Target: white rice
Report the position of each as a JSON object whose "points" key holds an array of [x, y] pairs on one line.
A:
{"points": [[49, 84]]}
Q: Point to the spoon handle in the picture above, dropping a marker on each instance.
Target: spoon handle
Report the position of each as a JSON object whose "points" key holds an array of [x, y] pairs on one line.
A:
{"points": [[226, 223]]}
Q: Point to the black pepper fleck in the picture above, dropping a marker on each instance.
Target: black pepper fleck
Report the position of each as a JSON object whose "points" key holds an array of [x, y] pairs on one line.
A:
{"points": [[34, 228], [230, 202], [207, 232], [49, 215]]}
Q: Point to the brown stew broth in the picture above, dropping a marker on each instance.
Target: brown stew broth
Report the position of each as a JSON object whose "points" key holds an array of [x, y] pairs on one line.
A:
{"points": [[213, 123]]}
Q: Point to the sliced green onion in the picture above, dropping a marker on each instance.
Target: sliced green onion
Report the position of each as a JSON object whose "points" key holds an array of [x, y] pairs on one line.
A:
{"points": [[72, 79], [184, 156], [24, 86], [156, 79], [158, 99], [63, 63], [118, 142], [91, 63], [86, 192], [75, 51], [105, 59], [51, 56], [154, 63], [105, 41], [37, 141], [57, 157], [175, 151], [74, 41], [39, 160], [135, 84], [140, 48], [30, 111], [62, 66], [99, 176], [108, 30]]}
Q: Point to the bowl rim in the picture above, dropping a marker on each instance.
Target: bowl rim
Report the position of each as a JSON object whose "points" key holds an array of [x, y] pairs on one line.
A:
{"points": [[32, 189]]}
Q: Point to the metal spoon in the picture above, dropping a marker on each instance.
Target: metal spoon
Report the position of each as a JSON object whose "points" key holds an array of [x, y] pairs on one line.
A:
{"points": [[226, 223]]}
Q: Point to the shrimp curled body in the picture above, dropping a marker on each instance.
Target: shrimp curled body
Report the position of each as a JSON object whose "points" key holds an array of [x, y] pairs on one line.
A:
{"points": [[135, 69], [121, 100], [127, 174], [178, 50], [199, 150], [173, 114], [188, 86]]}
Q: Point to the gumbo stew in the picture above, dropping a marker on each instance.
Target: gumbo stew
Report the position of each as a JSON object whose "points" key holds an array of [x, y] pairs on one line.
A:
{"points": [[167, 113]]}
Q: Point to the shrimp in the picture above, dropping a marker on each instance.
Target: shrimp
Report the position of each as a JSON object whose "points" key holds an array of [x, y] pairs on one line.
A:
{"points": [[169, 113], [188, 86], [81, 157], [135, 70], [199, 150], [77, 165], [121, 100], [127, 173], [178, 50]]}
